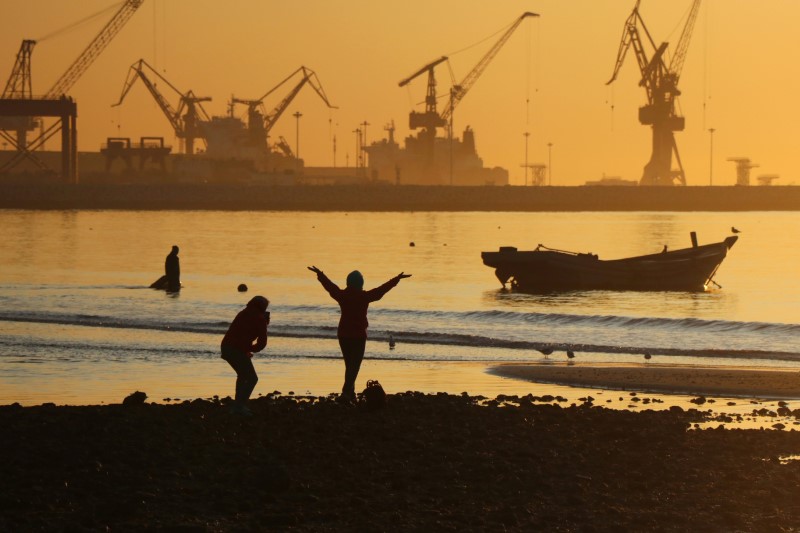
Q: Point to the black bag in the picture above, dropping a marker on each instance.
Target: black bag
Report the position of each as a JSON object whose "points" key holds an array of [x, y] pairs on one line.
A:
{"points": [[374, 395]]}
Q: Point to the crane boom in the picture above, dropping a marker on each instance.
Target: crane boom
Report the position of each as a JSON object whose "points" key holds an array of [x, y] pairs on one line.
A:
{"points": [[460, 90], [310, 77], [676, 65], [93, 50], [424, 69]]}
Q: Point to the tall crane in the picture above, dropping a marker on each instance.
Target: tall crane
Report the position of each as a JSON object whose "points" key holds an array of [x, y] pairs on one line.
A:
{"points": [[19, 85], [661, 84], [431, 118], [260, 123], [187, 119]]}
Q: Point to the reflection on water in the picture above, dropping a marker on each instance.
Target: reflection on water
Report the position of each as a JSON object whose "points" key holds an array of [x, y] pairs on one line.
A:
{"points": [[70, 274]]}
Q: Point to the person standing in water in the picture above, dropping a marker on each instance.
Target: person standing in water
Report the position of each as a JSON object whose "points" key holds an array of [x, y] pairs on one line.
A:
{"points": [[247, 334], [352, 332], [172, 270]]}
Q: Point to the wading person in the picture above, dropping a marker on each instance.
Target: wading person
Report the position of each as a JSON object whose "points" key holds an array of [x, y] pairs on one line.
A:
{"points": [[246, 335], [352, 333], [172, 270]]}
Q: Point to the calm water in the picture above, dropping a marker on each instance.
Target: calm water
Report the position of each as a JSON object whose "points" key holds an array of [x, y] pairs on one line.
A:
{"points": [[78, 323]]}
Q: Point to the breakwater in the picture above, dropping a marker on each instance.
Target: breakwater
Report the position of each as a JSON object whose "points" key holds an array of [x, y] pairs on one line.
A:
{"points": [[251, 197]]}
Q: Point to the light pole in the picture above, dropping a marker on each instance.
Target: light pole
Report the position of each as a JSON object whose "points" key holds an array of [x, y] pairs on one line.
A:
{"points": [[297, 115], [364, 142], [550, 163], [711, 158], [526, 135], [357, 131]]}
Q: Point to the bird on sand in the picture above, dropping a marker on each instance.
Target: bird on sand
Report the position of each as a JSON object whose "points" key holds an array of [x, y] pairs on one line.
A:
{"points": [[546, 351], [391, 342], [570, 354], [647, 356], [734, 230]]}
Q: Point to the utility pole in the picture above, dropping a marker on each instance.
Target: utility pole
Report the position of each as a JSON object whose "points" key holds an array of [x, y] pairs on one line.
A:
{"points": [[550, 163], [297, 115], [711, 158], [526, 135]]}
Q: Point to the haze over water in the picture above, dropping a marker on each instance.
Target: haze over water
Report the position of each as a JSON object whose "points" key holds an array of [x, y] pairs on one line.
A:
{"points": [[78, 323]]}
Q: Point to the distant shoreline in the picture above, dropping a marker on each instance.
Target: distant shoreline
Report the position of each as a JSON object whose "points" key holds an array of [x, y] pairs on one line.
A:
{"points": [[248, 197]]}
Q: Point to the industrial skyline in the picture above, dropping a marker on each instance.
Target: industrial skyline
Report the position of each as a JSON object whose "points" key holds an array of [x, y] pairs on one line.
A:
{"points": [[549, 80]]}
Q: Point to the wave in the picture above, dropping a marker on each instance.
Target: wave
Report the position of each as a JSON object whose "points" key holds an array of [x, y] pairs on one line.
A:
{"points": [[465, 340]]}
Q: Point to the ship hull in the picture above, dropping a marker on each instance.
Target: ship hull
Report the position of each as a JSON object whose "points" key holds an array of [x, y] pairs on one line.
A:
{"points": [[689, 269]]}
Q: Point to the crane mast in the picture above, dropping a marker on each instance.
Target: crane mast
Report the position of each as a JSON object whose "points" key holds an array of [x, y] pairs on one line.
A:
{"points": [[189, 117], [93, 50], [661, 85]]}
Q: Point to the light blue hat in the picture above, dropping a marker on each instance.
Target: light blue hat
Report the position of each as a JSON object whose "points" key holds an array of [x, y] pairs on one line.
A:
{"points": [[355, 280]]}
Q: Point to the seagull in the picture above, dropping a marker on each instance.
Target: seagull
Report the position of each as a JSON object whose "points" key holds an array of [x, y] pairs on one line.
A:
{"points": [[546, 351], [391, 342], [647, 356], [734, 230], [570, 354], [664, 250]]}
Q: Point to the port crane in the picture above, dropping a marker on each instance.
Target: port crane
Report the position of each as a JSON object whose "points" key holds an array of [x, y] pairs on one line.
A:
{"points": [[661, 84], [187, 118], [431, 119], [259, 121], [19, 86]]}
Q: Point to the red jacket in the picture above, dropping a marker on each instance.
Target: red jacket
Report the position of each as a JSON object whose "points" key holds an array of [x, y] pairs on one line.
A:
{"points": [[249, 325], [354, 303]]}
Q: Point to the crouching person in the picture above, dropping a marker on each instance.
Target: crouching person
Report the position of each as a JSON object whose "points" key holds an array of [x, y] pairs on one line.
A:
{"points": [[246, 335]]}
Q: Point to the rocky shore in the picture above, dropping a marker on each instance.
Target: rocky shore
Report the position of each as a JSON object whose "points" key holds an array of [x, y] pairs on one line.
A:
{"points": [[421, 463]]}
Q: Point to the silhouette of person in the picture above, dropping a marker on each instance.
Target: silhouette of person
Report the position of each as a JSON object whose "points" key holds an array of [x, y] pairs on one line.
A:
{"points": [[352, 332], [247, 334], [172, 270]]}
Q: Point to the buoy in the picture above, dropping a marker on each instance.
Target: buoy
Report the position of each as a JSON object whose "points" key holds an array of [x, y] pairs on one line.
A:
{"points": [[411, 243], [242, 287]]}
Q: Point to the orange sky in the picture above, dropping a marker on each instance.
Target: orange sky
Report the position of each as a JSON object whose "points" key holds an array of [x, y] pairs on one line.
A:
{"points": [[740, 76]]}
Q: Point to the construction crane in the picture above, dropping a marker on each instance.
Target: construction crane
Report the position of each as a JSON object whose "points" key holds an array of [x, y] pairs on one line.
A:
{"points": [[19, 85], [259, 122], [431, 118], [661, 84], [187, 119]]}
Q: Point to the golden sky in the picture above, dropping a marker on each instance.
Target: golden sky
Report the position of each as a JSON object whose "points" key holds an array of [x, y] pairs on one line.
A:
{"points": [[740, 77]]}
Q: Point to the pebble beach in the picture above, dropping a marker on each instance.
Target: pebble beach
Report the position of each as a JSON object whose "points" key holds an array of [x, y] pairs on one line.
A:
{"points": [[423, 462]]}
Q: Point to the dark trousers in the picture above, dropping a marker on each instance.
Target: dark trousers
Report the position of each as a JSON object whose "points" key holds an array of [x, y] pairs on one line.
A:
{"points": [[353, 354], [246, 377]]}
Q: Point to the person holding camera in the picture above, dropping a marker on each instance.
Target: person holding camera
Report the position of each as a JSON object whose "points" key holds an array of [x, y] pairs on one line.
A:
{"points": [[246, 335], [352, 332]]}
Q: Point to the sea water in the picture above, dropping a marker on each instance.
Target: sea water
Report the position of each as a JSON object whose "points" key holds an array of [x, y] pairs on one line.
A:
{"points": [[79, 324]]}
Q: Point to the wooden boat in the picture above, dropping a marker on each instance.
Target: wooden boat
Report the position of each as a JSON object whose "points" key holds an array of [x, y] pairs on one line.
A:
{"points": [[547, 269]]}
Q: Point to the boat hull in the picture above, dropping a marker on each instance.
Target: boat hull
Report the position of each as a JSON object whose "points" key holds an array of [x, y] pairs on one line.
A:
{"points": [[689, 269]]}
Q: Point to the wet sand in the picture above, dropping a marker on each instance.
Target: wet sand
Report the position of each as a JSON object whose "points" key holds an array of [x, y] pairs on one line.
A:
{"points": [[670, 379], [422, 463]]}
